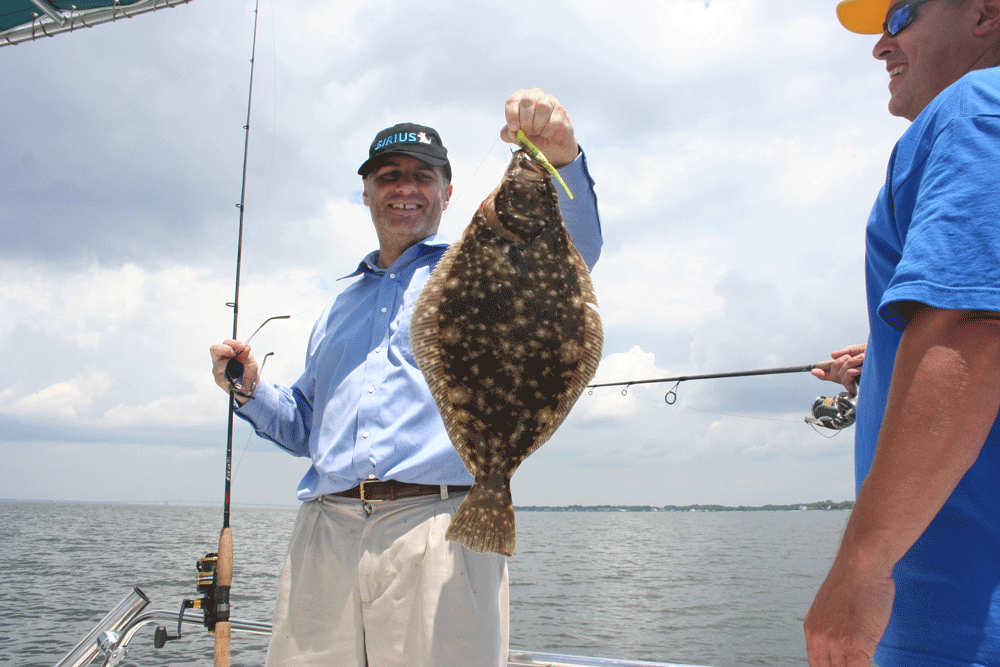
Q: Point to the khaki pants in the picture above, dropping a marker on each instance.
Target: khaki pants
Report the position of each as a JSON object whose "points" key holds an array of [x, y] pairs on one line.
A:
{"points": [[377, 585]]}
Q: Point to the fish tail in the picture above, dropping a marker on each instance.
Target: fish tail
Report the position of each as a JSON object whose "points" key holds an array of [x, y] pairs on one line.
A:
{"points": [[484, 521]]}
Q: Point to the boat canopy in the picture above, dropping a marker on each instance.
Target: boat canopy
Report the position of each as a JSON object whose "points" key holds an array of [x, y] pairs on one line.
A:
{"points": [[23, 20]]}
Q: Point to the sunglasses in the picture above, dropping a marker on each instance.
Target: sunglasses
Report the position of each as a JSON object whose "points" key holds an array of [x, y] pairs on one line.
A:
{"points": [[900, 16]]}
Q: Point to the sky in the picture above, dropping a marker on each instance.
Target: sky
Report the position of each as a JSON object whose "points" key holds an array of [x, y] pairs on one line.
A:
{"points": [[737, 147]]}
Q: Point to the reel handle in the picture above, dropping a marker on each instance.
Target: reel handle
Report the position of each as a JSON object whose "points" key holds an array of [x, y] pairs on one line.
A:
{"points": [[234, 370]]}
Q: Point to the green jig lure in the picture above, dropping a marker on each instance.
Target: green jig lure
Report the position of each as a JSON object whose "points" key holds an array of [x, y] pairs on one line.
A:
{"points": [[522, 139]]}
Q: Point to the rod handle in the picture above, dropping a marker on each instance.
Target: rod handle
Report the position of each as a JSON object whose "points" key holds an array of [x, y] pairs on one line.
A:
{"points": [[224, 568], [221, 656], [824, 365], [224, 579]]}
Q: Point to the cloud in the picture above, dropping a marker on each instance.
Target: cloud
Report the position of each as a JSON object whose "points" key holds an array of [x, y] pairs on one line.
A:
{"points": [[737, 147]]}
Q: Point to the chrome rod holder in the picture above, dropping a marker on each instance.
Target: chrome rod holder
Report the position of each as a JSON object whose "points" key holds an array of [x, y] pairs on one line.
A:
{"points": [[106, 635]]}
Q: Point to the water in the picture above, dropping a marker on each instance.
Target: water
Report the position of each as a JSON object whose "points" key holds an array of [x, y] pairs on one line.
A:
{"points": [[728, 589]]}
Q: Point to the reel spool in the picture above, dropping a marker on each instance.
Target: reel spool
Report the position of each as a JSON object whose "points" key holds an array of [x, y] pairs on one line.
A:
{"points": [[834, 412]]}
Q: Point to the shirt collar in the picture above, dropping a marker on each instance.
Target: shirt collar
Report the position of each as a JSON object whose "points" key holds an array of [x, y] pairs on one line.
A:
{"points": [[368, 264]]}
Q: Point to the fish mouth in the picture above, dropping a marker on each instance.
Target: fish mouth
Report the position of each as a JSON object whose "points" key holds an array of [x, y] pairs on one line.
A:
{"points": [[526, 161]]}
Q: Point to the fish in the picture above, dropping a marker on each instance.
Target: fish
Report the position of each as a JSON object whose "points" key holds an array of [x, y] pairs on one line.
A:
{"points": [[507, 336]]}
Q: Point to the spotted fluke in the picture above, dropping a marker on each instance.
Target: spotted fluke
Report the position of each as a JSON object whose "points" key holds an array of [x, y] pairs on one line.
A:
{"points": [[507, 337]]}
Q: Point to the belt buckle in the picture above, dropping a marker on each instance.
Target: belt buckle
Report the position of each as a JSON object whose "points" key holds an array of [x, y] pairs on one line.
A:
{"points": [[361, 491]]}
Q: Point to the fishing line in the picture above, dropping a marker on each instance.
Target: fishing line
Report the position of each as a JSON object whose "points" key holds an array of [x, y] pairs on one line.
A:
{"points": [[450, 208], [636, 397], [266, 202], [455, 201], [731, 414], [243, 453], [267, 193], [835, 433], [222, 576], [215, 570]]}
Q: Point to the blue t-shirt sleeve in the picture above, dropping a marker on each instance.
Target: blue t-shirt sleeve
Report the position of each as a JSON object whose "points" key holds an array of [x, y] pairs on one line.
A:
{"points": [[951, 257]]}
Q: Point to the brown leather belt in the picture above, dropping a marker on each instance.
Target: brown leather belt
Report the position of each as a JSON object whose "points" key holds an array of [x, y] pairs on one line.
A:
{"points": [[373, 489]]}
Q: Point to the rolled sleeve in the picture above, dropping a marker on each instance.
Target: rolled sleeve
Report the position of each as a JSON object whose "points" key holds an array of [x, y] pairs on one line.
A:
{"points": [[580, 213]]}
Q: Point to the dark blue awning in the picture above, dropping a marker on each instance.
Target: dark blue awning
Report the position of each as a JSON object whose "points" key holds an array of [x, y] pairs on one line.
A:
{"points": [[23, 20]]}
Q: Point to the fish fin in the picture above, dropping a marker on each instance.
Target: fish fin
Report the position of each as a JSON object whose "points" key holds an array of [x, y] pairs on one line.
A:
{"points": [[424, 338], [484, 521], [590, 351]]}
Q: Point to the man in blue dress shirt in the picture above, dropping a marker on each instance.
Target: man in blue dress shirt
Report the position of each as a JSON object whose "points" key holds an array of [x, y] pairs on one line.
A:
{"points": [[369, 578]]}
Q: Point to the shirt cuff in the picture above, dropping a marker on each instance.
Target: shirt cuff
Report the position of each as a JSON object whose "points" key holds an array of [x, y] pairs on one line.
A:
{"points": [[576, 175], [264, 401]]}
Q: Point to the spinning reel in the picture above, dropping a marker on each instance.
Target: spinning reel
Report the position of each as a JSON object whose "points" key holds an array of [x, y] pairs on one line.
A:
{"points": [[834, 412], [214, 603]]}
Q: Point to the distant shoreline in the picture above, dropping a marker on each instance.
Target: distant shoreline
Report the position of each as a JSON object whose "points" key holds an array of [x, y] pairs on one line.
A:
{"points": [[825, 505]]}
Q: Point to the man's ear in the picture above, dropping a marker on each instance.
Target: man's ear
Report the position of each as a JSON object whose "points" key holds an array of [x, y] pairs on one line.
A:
{"points": [[989, 18], [447, 196]]}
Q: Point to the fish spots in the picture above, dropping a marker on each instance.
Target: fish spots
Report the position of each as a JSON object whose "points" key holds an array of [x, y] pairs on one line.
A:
{"points": [[459, 395], [451, 335], [545, 415]]}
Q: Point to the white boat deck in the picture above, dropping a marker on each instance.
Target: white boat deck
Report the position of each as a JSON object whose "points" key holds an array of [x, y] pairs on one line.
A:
{"points": [[528, 659]]}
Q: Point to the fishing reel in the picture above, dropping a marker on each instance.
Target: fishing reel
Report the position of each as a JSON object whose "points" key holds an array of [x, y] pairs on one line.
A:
{"points": [[834, 412], [234, 368], [214, 607]]}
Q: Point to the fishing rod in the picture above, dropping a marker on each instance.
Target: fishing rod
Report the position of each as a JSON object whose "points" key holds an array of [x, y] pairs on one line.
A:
{"points": [[835, 413], [824, 365], [223, 575], [215, 570]]}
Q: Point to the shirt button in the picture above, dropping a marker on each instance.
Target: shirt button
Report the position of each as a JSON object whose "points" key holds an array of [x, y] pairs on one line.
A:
{"points": [[392, 275], [371, 476], [371, 390], [384, 310], [377, 350], [365, 434]]}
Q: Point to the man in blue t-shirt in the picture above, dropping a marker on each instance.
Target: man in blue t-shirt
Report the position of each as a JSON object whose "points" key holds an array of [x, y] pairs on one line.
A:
{"points": [[916, 580]]}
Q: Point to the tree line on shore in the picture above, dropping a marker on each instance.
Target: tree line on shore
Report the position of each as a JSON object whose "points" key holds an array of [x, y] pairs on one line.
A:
{"points": [[824, 505]]}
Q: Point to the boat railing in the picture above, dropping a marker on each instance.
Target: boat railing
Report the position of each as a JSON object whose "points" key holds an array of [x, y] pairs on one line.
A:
{"points": [[109, 640]]}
